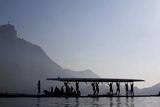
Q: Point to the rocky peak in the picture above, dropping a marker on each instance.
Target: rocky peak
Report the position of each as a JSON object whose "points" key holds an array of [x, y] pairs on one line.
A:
{"points": [[8, 32]]}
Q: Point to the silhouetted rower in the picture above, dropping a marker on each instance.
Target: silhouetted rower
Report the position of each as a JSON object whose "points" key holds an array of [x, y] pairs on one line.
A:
{"points": [[71, 90], [132, 89], [93, 87], [77, 89], [110, 88], [39, 87], [51, 89], [118, 88], [62, 90], [97, 88], [67, 88], [126, 85], [57, 91]]}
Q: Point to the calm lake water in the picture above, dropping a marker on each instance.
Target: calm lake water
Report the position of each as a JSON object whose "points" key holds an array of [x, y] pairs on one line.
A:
{"points": [[81, 102]]}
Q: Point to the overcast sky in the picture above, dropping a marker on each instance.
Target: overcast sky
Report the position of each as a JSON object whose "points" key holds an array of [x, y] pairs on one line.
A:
{"points": [[113, 38]]}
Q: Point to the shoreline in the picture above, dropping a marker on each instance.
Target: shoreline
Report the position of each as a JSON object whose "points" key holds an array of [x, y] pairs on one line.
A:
{"points": [[50, 96]]}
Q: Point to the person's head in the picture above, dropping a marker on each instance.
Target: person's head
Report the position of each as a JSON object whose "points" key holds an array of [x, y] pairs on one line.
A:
{"points": [[65, 83]]}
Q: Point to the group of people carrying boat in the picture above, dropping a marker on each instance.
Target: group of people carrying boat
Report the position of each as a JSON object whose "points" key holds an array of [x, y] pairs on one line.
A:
{"points": [[70, 91], [130, 92]]}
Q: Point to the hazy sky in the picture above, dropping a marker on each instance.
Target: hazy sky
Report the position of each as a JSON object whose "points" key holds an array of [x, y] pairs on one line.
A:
{"points": [[113, 38]]}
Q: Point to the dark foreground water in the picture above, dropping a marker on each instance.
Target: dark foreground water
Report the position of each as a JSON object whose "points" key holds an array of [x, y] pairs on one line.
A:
{"points": [[81, 102]]}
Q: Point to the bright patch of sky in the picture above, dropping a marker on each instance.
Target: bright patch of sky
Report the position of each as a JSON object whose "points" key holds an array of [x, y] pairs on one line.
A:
{"points": [[113, 38]]}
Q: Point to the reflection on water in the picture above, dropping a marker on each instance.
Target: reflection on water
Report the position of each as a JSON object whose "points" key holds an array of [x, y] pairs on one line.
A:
{"points": [[132, 102], [77, 102], [111, 102], [81, 102], [126, 102], [38, 102], [118, 102]]}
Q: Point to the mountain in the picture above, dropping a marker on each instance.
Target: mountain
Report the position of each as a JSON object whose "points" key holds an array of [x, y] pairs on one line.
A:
{"points": [[22, 64], [153, 90], [84, 74]]}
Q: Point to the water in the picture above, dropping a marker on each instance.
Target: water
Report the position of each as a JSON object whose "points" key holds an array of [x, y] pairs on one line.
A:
{"points": [[81, 102]]}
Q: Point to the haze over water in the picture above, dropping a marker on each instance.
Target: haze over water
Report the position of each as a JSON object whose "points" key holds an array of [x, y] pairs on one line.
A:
{"points": [[81, 102]]}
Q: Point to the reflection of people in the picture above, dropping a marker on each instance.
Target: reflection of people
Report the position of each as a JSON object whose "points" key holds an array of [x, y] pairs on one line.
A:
{"points": [[132, 89], [39, 87], [110, 88], [97, 88], [93, 87], [118, 88], [126, 85]]}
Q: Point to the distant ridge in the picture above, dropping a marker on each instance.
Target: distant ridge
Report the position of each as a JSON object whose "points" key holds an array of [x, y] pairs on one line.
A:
{"points": [[153, 90]]}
